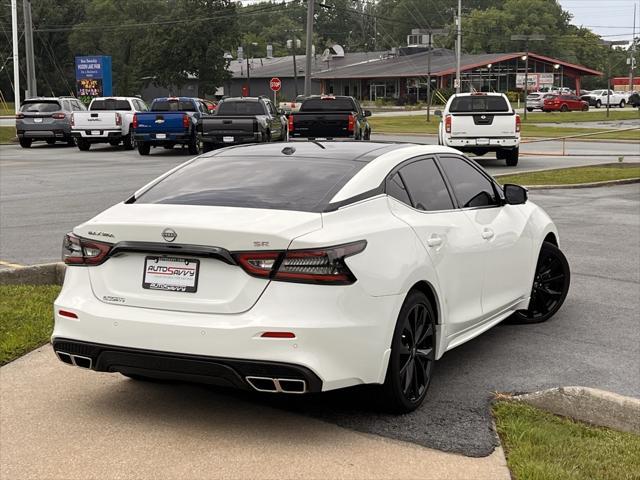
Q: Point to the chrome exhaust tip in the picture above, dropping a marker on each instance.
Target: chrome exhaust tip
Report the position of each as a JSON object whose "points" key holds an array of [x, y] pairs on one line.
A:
{"points": [[277, 385], [64, 357], [82, 362]]}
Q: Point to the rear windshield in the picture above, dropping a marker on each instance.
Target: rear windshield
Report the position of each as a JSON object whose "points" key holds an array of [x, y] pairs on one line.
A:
{"points": [[240, 108], [479, 103], [302, 184], [533, 95], [172, 106], [327, 105], [110, 104], [40, 107]]}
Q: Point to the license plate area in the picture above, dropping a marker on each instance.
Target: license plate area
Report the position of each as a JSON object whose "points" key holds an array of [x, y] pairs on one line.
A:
{"points": [[227, 139], [171, 274], [161, 136], [96, 132]]}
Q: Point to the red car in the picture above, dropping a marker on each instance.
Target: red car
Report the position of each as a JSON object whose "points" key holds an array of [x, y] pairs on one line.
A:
{"points": [[563, 103]]}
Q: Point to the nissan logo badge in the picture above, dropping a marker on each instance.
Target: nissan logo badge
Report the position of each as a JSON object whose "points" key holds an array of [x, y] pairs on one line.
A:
{"points": [[169, 234]]}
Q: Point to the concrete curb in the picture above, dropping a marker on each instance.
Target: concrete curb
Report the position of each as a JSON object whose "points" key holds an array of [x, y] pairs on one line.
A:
{"points": [[606, 183], [589, 405], [44, 274]]}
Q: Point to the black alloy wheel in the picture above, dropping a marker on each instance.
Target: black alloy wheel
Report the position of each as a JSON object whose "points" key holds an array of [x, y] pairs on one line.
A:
{"points": [[412, 355], [550, 286]]}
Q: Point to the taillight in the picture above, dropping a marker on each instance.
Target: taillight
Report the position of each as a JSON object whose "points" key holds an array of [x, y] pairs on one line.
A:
{"points": [[118, 119], [134, 122], [518, 123], [186, 121], [58, 116], [447, 124], [19, 115], [352, 123], [80, 251], [290, 123], [73, 120], [324, 266]]}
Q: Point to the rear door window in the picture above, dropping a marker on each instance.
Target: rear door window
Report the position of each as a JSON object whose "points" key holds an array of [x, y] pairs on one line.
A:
{"points": [[396, 188], [173, 106], [328, 104], [240, 108], [302, 184], [426, 186], [479, 103]]}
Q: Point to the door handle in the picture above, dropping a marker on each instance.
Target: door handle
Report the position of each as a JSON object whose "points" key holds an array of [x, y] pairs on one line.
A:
{"points": [[434, 241], [487, 234]]}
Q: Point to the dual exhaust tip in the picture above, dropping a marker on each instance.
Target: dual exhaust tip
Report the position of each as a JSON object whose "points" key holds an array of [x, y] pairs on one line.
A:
{"points": [[76, 360], [277, 385]]}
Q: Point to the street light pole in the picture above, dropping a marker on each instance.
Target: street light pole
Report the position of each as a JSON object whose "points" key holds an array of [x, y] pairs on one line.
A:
{"points": [[526, 38], [458, 46], [610, 44], [307, 70], [16, 64]]}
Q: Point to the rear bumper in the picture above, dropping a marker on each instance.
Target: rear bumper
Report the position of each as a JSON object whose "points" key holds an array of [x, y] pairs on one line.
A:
{"points": [[43, 134], [227, 372], [169, 138], [486, 144], [219, 138], [342, 334], [102, 136], [321, 134]]}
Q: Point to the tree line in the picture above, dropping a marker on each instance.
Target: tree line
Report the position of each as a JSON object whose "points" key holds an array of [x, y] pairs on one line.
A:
{"points": [[165, 42]]}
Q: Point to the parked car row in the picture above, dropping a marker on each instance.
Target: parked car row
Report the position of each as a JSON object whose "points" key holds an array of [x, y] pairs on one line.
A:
{"points": [[552, 102], [197, 124], [599, 98]]}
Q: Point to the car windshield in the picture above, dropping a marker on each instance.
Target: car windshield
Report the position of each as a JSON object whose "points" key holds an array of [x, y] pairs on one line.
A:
{"points": [[241, 107], [173, 106], [40, 106], [479, 103], [302, 184], [110, 104], [328, 104]]}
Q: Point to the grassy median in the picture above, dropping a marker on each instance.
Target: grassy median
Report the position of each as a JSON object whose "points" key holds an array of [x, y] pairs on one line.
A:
{"points": [[417, 124], [26, 318], [7, 135], [542, 446], [574, 175]]}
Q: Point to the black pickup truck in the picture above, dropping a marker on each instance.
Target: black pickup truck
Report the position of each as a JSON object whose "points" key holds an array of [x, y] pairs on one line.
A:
{"points": [[326, 116], [242, 120]]}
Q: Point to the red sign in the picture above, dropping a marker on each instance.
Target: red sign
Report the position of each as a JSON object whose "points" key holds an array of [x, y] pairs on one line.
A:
{"points": [[275, 84]]}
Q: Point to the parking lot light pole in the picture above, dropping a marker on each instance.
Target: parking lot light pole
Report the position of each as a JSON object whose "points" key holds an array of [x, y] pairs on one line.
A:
{"points": [[527, 38], [429, 51], [610, 44]]}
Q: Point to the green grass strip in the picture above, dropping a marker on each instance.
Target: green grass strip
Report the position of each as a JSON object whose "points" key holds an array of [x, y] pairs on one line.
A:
{"points": [[542, 446], [26, 318], [574, 175]]}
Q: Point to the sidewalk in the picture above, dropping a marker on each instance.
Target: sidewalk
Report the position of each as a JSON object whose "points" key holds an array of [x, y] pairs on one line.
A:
{"points": [[63, 422]]}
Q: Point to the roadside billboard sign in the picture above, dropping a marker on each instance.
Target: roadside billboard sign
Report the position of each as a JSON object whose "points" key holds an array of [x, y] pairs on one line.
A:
{"points": [[93, 77]]}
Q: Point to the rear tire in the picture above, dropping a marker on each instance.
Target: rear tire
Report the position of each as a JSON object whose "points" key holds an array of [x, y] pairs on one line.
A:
{"points": [[550, 286], [412, 356], [622, 103], [193, 147], [83, 144], [128, 142], [144, 148], [26, 142], [511, 157], [598, 103]]}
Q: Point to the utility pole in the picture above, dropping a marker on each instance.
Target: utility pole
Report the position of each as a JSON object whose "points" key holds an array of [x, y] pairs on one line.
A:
{"points": [[527, 38], [632, 50], [458, 46], [293, 44], [430, 48], [307, 69], [16, 65], [32, 87]]}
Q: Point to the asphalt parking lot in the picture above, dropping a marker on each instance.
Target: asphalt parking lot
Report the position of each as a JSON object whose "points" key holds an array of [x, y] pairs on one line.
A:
{"points": [[593, 341]]}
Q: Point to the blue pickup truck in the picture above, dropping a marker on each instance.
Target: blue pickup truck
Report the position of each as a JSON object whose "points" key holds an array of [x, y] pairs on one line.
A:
{"points": [[170, 121]]}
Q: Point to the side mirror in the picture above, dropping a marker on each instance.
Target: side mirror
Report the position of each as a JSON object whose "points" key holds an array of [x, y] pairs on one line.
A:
{"points": [[515, 194], [438, 113], [367, 113]]}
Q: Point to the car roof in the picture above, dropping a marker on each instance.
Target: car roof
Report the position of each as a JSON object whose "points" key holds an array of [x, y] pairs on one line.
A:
{"points": [[242, 99], [479, 94], [117, 98], [180, 99]]}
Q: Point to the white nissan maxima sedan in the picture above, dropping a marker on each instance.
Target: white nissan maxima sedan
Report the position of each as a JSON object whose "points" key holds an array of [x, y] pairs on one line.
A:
{"points": [[306, 267]]}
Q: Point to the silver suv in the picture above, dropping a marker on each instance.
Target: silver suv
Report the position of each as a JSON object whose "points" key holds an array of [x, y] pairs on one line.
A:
{"points": [[46, 118]]}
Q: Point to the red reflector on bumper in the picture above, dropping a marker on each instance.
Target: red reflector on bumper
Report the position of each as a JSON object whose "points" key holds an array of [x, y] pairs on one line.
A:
{"points": [[278, 335], [66, 313]]}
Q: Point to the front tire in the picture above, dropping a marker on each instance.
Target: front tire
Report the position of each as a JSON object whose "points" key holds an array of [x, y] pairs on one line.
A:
{"points": [[598, 103], [550, 286], [412, 356], [622, 103]]}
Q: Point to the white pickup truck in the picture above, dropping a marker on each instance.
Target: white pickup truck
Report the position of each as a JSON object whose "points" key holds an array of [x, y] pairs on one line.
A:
{"points": [[481, 123], [108, 120], [598, 98]]}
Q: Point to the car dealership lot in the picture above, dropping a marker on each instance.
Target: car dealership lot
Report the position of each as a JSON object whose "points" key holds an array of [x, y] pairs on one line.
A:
{"points": [[592, 341]]}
